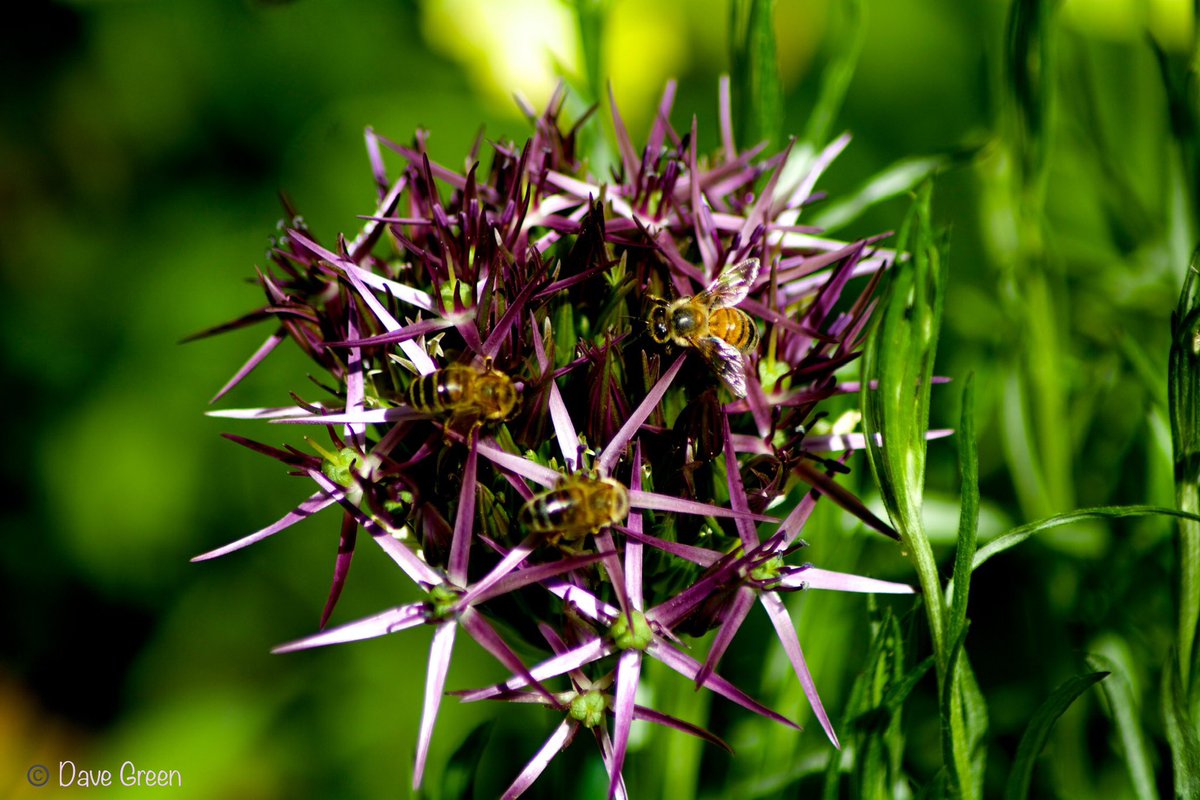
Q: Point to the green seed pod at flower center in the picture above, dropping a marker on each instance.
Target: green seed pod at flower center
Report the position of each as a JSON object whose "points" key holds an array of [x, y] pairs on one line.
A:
{"points": [[637, 636], [768, 571], [339, 467], [588, 708], [442, 603]]}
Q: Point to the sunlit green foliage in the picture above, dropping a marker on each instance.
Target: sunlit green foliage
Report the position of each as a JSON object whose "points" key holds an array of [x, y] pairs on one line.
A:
{"points": [[145, 144]]}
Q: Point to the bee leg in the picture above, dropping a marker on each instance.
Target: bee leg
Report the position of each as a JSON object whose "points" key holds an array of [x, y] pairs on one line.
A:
{"points": [[460, 426]]}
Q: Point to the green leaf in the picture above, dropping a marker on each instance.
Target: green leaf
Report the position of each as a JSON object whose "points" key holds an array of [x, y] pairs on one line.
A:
{"points": [[838, 71], [1181, 731], [968, 518], [589, 18], [458, 781], [955, 745], [1038, 730], [1125, 714], [1183, 393], [899, 358], [1019, 534], [903, 176], [1029, 69], [975, 718], [755, 68], [872, 716]]}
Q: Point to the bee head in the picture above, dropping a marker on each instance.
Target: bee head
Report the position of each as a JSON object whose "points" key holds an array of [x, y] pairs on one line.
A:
{"points": [[657, 322], [498, 389]]}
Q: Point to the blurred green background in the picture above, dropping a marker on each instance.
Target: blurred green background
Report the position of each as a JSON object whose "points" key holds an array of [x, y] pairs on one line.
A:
{"points": [[142, 149]]}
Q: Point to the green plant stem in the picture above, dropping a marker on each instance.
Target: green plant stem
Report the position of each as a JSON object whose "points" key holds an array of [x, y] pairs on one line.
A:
{"points": [[1188, 494], [931, 586]]}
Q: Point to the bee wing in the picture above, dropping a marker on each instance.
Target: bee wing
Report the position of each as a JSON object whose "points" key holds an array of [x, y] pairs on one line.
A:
{"points": [[732, 285], [726, 361]]}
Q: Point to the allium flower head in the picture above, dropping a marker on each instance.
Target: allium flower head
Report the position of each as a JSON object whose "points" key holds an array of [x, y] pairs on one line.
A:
{"points": [[502, 418]]}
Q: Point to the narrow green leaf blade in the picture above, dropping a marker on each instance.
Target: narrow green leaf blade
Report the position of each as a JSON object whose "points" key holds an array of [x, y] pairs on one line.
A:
{"points": [[838, 72], [1183, 392], [902, 176], [755, 69], [458, 780], [968, 518], [1125, 714], [1019, 534], [899, 356], [1181, 731], [1038, 730]]}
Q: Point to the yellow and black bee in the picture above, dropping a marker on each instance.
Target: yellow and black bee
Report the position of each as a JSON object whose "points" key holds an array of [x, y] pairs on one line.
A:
{"points": [[709, 323], [578, 506], [465, 393]]}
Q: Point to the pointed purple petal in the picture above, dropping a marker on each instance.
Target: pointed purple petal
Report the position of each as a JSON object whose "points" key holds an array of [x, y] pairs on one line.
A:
{"points": [[737, 490], [841, 496], [629, 668], [416, 569], [585, 603], [610, 454], [464, 519], [701, 222], [667, 721], [355, 432], [262, 352], [688, 667], [558, 741], [522, 675], [633, 548], [435, 682], [652, 501], [390, 621], [791, 645], [813, 578], [505, 324], [803, 191], [306, 509], [518, 464], [794, 522], [510, 562], [725, 115], [662, 121], [374, 416], [534, 574], [607, 548], [405, 333], [616, 782], [341, 565], [564, 428], [697, 555], [273, 412], [731, 622], [561, 664]]}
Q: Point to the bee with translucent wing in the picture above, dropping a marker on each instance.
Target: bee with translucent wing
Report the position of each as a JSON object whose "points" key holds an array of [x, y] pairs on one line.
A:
{"points": [[710, 324]]}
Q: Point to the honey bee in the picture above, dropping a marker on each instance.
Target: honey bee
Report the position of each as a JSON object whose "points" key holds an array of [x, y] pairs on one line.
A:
{"points": [[709, 323], [464, 392], [578, 506]]}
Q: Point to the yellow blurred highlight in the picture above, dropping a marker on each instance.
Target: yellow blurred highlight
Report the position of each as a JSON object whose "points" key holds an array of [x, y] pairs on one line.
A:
{"points": [[518, 46], [644, 46], [1170, 22]]}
